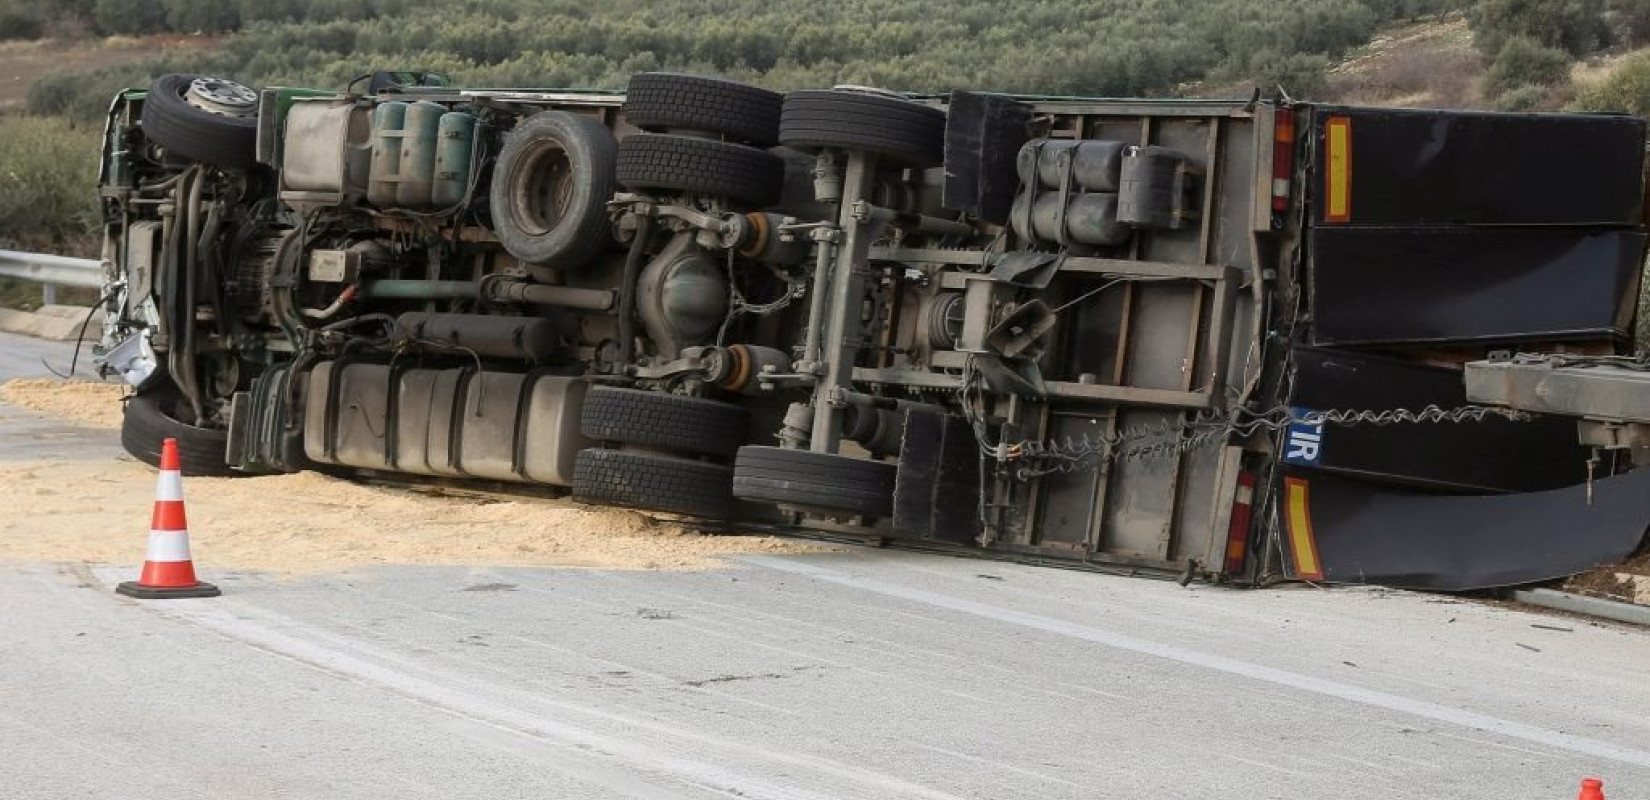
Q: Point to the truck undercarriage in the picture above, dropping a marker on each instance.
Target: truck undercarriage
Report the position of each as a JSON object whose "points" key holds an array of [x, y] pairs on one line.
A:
{"points": [[1183, 336]]}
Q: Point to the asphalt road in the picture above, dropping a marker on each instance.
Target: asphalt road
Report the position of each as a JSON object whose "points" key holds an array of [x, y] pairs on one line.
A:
{"points": [[867, 674]]}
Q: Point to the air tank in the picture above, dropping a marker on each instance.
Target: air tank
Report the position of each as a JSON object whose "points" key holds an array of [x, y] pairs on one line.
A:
{"points": [[385, 171], [418, 144], [455, 139], [1091, 219], [1095, 164]]}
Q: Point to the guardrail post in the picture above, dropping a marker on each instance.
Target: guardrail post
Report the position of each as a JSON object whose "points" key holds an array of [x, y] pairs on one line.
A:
{"points": [[48, 294]]}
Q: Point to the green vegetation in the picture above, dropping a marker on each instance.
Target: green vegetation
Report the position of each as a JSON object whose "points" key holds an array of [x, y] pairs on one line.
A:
{"points": [[1088, 47], [1519, 77], [1575, 26], [48, 198], [48, 179], [1627, 89]]}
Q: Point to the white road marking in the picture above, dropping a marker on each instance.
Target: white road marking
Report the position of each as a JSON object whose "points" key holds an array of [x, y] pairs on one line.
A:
{"points": [[1232, 666], [587, 748]]}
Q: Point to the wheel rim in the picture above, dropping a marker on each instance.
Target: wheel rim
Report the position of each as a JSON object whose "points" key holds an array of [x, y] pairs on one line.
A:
{"points": [[222, 97], [543, 189]]}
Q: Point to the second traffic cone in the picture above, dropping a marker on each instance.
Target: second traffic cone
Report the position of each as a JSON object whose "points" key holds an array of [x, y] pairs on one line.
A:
{"points": [[168, 570], [1591, 789]]}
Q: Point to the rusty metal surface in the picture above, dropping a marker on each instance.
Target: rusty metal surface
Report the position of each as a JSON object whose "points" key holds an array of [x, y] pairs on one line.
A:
{"points": [[1594, 392]]}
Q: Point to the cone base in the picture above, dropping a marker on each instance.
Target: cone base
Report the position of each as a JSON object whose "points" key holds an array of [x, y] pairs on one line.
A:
{"points": [[138, 590]]}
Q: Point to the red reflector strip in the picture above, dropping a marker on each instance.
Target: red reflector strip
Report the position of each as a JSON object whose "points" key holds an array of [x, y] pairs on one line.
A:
{"points": [[1337, 135], [1303, 547], [1237, 532], [1283, 157]]}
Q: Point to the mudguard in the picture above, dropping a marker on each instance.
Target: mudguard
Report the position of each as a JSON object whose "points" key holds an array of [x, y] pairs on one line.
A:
{"points": [[1341, 531]]}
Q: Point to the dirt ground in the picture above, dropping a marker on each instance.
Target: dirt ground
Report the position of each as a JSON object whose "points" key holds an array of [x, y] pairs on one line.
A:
{"points": [[1628, 582], [97, 512], [23, 63]]}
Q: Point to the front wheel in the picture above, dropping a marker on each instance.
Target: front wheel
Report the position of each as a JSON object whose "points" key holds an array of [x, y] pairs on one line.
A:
{"points": [[154, 416]]}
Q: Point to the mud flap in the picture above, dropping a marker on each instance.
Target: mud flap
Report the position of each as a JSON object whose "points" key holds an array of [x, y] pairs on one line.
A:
{"points": [[260, 436], [937, 490], [1341, 531], [983, 134]]}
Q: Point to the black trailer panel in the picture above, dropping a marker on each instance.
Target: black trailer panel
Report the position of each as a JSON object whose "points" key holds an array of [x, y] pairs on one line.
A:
{"points": [[1419, 167], [1341, 531], [1493, 455], [1432, 285]]}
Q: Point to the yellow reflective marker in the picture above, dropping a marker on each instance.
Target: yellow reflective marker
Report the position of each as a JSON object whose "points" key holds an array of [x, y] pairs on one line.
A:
{"points": [[1338, 172], [1301, 543]]}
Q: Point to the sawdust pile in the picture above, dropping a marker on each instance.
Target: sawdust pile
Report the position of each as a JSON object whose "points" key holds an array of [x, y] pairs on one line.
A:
{"points": [[76, 402], [1628, 581], [306, 522]]}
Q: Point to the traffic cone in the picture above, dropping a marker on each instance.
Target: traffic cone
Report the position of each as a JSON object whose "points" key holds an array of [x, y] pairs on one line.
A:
{"points": [[167, 568], [1591, 789]]}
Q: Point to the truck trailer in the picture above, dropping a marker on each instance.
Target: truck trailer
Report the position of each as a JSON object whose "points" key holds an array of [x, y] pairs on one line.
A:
{"points": [[1217, 339]]}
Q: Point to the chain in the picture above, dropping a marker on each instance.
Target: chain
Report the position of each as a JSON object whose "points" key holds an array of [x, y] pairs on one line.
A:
{"points": [[1208, 428]]}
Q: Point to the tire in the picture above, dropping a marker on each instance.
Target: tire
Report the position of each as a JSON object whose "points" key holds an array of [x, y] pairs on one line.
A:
{"points": [[901, 131], [742, 175], [195, 133], [690, 425], [150, 419], [663, 101], [653, 481], [820, 481], [550, 190]]}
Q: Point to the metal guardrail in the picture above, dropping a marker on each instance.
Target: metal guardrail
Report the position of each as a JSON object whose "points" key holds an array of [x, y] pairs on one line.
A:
{"points": [[51, 271], [55, 270]]}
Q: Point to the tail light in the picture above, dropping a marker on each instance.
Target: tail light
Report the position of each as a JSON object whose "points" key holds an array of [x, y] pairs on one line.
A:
{"points": [[1283, 156], [1237, 533]]}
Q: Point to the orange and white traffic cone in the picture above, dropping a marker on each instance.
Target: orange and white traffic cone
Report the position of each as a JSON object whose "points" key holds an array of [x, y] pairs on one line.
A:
{"points": [[1591, 789], [167, 569]]}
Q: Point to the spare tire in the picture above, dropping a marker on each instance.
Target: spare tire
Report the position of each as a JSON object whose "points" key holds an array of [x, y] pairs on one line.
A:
{"points": [[664, 101], [153, 416], [904, 132], [550, 190], [827, 482], [224, 137], [742, 175]]}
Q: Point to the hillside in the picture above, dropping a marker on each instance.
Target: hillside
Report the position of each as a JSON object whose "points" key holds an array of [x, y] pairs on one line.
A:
{"points": [[1434, 63], [67, 57], [1072, 47], [1426, 64]]}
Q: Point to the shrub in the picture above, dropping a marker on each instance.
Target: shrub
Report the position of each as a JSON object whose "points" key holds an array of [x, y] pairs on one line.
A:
{"points": [[1626, 90], [19, 20], [1632, 19], [84, 98], [1302, 75], [1523, 61], [1575, 26], [48, 183], [1522, 98]]}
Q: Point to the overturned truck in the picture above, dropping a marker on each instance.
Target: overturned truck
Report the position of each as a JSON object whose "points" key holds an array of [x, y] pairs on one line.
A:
{"points": [[1217, 339]]}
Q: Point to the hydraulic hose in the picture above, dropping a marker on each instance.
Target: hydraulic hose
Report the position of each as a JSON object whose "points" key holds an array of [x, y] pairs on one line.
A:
{"points": [[627, 290], [191, 383]]}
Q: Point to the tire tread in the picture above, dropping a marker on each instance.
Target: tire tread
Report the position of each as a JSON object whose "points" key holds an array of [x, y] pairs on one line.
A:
{"points": [[653, 481], [743, 175], [658, 101]]}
